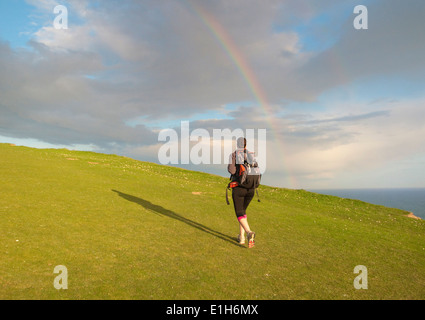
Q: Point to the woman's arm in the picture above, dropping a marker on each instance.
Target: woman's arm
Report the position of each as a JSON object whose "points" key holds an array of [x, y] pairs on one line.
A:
{"points": [[231, 167]]}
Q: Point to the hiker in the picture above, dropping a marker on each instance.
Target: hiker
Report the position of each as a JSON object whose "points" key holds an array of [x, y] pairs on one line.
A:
{"points": [[241, 196]]}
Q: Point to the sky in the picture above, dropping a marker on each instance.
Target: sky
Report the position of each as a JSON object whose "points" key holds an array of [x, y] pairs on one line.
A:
{"points": [[342, 107]]}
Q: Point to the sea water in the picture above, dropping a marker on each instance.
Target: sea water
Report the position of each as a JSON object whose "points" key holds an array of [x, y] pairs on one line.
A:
{"points": [[409, 199]]}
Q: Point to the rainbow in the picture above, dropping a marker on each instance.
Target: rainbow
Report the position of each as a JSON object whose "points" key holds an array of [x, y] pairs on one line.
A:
{"points": [[241, 63]]}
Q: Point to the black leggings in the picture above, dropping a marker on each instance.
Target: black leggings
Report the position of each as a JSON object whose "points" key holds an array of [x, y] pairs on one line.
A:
{"points": [[241, 199]]}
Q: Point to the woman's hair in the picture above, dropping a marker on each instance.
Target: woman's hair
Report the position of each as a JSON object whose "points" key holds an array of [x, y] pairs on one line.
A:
{"points": [[241, 143]]}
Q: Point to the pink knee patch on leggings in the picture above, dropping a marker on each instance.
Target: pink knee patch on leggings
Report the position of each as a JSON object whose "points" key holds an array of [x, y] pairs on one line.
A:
{"points": [[242, 217]]}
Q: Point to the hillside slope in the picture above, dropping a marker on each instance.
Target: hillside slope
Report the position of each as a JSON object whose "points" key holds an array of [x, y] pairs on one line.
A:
{"points": [[126, 229]]}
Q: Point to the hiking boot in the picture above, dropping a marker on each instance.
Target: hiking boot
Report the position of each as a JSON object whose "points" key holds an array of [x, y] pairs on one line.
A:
{"points": [[251, 239], [241, 240]]}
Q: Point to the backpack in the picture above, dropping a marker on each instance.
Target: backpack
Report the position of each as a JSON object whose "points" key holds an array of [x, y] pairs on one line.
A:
{"points": [[247, 174]]}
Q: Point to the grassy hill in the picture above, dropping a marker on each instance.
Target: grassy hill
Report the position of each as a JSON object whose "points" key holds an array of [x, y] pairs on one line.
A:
{"points": [[126, 229]]}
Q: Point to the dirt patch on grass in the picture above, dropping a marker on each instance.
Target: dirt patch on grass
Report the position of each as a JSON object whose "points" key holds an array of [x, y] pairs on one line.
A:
{"points": [[411, 215]]}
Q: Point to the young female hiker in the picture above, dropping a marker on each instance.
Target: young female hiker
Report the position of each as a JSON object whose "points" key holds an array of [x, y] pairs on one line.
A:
{"points": [[241, 196]]}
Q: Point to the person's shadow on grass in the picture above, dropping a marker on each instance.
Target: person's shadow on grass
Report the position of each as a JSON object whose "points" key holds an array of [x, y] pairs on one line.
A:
{"points": [[161, 211]]}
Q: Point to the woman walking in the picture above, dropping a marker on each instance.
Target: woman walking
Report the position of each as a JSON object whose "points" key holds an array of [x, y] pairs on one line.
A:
{"points": [[241, 196]]}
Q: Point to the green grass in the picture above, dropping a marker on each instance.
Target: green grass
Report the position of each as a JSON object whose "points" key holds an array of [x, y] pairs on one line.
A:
{"points": [[127, 229]]}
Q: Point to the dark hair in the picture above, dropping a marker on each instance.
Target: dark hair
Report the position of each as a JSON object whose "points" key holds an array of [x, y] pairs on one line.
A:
{"points": [[241, 143]]}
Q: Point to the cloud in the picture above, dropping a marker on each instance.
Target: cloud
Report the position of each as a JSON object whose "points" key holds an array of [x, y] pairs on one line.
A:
{"points": [[357, 144], [152, 63], [351, 118], [45, 95], [392, 46]]}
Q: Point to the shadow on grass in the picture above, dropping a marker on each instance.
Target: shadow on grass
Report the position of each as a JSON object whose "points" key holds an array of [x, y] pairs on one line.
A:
{"points": [[161, 211]]}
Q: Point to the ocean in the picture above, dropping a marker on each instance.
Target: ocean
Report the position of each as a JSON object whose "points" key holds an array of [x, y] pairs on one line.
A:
{"points": [[409, 199]]}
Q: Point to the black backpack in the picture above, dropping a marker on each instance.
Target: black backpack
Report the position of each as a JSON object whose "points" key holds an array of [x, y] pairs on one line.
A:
{"points": [[247, 174]]}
